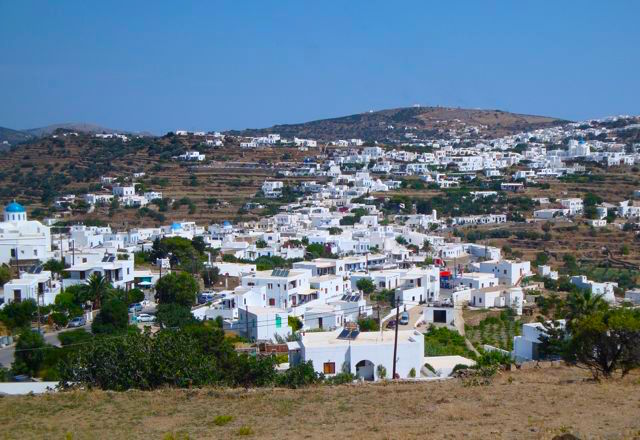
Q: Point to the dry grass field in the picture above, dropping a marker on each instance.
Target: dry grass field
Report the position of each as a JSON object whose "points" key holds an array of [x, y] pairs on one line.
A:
{"points": [[523, 404]]}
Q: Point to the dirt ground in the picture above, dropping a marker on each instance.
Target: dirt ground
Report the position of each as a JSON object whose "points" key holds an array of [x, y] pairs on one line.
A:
{"points": [[535, 403]]}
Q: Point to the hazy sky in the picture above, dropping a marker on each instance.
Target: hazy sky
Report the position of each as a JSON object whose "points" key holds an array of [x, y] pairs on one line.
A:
{"points": [[164, 65]]}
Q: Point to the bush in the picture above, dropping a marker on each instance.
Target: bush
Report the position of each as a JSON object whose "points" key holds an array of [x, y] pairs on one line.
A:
{"points": [[18, 314], [180, 288], [295, 323], [299, 376], [412, 373], [368, 325], [382, 371], [174, 315], [113, 317], [29, 353], [222, 420], [60, 319], [245, 430], [340, 378], [366, 285], [440, 341]]}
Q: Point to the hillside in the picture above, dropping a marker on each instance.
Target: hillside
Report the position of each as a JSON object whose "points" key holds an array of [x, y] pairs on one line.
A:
{"points": [[41, 170], [81, 127], [13, 137], [393, 124], [531, 404]]}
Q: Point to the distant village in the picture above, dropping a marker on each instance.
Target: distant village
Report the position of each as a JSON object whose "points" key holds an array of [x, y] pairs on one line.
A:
{"points": [[341, 254]]}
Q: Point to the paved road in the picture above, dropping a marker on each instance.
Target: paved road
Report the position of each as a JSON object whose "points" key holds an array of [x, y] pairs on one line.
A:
{"points": [[6, 353]]}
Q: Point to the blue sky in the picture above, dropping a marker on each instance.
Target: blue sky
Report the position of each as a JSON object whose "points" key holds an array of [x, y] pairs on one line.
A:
{"points": [[163, 65]]}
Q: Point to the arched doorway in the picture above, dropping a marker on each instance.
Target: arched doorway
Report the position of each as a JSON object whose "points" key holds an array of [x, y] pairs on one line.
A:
{"points": [[365, 370]]}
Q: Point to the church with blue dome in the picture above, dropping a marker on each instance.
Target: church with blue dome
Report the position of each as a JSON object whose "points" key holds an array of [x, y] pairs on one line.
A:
{"points": [[15, 212], [22, 239]]}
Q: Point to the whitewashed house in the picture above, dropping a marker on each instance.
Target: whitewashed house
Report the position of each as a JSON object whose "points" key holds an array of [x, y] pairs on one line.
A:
{"points": [[360, 353]]}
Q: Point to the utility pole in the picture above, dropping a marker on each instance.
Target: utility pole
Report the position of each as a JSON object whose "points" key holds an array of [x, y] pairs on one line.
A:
{"points": [[395, 342], [38, 307], [73, 252], [247, 318]]}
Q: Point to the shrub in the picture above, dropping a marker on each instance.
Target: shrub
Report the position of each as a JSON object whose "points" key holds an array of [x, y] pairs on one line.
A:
{"points": [[412, 373], [245, 430], [340, 378], [113, 317], [382, 371], [298, 376], [222, 420]]}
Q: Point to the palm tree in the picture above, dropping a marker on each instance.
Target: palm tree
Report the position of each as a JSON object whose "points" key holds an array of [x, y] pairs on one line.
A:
{"points": [[97, 288], [583, 303]]}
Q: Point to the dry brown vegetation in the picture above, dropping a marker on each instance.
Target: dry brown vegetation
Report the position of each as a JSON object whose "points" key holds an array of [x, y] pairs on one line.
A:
{"points": [[230, 175], [536, 403]]}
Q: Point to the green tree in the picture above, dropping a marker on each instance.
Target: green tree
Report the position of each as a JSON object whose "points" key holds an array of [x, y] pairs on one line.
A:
{"points": [[210, 276], [316, 250], [605, 342], [55, 266], [542, 258], [366, 285], [583, 303], [113, 317], [295, 323], [179, 288], [5, 275], [18, 314], [29, 353], [174, 315], [97, 288]]}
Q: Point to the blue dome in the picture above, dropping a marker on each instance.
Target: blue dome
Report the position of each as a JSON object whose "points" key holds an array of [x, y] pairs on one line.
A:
{"points": [[226, 223], [176, 226], [14, 207]]}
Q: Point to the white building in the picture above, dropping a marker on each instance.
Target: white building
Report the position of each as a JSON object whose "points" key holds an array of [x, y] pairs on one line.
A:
{"points": [[272, 189], [118, 272], [574, 205], [36, 284], [262, 323], [508, 272], [606, 289], [21, 240], [285, 287], [526, 347], [360, 353]]}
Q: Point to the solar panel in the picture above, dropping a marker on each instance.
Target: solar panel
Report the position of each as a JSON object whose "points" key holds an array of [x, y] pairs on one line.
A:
{"points": [[280, 273], [36, 269], [348, 334]]}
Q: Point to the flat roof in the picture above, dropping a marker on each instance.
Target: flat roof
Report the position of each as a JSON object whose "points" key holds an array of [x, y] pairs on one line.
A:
{"points": [[328, 339]]}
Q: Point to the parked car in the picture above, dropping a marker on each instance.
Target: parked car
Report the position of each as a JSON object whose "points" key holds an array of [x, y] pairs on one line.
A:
{"points": [[145, 317], [205, 297], [391, 324], [136, 307], [404, 318], [78, 321]]}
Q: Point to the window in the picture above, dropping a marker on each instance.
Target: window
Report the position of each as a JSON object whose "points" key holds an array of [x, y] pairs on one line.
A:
{"points": [[272, 302], [269, 286], [329, 368], [35, 252]]}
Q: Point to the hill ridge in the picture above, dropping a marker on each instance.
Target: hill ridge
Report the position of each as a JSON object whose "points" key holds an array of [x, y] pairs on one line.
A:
{"points": [[394, 123]]}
